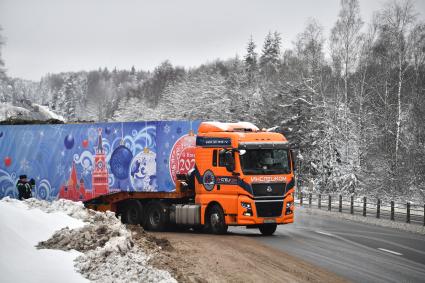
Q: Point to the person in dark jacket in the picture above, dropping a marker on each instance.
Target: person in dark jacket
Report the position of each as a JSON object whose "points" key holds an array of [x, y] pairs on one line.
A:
{"points": [[21, 186], [24, 187]]}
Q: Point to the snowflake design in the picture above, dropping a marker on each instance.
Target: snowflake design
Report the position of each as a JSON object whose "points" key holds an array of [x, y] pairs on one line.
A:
{"points": [[60, 169], [25, 165], [86, 171], [167, 145], [167, 129]]}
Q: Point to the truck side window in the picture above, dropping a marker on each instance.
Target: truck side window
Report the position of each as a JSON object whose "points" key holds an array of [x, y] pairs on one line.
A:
{"points": [[214, 158], [221, 159]]}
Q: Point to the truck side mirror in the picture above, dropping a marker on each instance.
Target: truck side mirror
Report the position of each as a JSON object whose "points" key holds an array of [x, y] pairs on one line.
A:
{"points": [[230, 161], [293, 163]]}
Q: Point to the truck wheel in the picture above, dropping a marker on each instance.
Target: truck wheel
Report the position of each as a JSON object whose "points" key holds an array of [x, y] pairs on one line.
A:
{"points": [[215, 220], [132, 212], [267, 229], [156, 218]]}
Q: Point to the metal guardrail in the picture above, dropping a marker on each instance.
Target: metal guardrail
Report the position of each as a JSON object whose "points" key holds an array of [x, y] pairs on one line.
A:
{"points": [[402, 212]]}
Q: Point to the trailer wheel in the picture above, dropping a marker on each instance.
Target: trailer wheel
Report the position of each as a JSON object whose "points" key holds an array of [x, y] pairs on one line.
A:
{"points": [[267, 229], [132, 212], [215, 220], [157, 216]]}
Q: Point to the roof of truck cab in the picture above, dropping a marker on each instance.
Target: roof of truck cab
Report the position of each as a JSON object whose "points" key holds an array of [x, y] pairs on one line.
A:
{"points": [[247, 137]]}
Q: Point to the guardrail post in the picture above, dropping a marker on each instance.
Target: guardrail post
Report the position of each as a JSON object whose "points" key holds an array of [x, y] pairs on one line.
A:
{"points": [[301, 198], [310, 196], [330, 203], [340, 203], [392, 210], [352, 205], [378, 208], [408, 212], [364, 206], [319, 202]]}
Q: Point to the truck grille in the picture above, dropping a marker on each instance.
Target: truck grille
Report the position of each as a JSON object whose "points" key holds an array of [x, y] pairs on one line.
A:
{"points": [[271, 189], [269, 208]]}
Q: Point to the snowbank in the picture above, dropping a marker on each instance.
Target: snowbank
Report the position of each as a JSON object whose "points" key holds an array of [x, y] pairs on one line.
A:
{"points": [[7, 110], [21, 229], [28, 111], [44, 110], [109, 252]]}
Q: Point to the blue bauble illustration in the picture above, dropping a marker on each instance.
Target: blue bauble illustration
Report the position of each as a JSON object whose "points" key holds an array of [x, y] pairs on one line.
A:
{"points": [[107, 130], [1, 134], [69, 141], [120, 162], [143, 171]]}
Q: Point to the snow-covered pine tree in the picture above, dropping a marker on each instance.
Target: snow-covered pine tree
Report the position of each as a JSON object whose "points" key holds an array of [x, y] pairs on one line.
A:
{"points": [[250, 61], [270, 57]]}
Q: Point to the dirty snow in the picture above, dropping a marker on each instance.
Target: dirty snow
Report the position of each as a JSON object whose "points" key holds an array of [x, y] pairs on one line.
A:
{"points": [[109, 252]]}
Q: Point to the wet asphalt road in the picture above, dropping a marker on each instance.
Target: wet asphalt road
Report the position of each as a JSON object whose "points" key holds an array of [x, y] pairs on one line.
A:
{"points": [[355, 251]]}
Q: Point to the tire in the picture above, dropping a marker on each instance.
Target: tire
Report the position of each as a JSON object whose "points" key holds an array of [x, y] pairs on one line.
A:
{"points": [[215, 220], [267, 229], [156, 216], [132, 212]]}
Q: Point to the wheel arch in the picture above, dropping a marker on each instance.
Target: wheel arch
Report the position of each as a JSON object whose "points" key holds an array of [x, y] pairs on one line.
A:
{"points": [[209, 205]]}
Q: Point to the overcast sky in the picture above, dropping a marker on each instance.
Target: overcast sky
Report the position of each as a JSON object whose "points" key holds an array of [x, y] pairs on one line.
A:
{"points": [[70, 35]]}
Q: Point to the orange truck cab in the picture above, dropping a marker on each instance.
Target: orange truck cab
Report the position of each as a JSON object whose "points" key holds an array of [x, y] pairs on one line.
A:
{"points": [[243, 176]]}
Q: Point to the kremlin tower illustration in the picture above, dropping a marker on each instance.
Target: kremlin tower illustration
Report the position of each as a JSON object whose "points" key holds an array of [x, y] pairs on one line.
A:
{"points": [[75, 190]]}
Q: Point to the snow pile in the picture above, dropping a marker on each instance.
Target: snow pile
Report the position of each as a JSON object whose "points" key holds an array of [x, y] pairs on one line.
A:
{"points": [[27, 111], [110, 253], [44, 110], [7, 110], [20, 231]]}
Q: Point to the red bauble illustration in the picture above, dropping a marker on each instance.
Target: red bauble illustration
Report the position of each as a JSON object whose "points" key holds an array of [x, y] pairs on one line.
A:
{"points": [[85, 143], [182, 156], [7, 161]]}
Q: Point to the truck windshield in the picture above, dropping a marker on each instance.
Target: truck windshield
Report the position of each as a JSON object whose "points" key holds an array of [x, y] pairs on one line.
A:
{"points": [[265, 162]]}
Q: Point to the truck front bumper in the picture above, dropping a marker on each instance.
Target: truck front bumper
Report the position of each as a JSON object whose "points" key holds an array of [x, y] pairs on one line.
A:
{"points": [[254, 212]]}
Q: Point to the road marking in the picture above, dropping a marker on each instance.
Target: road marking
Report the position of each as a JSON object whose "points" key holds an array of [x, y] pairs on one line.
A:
{"points": [[389, 251], [324, 233]]}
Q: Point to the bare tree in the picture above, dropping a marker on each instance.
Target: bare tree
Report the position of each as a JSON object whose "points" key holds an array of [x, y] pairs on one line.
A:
{"points": [[397, 19], [345, 38]]}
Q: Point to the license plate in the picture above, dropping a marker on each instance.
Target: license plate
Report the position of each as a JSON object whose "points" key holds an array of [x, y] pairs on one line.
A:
{"points": [[269, 220]]}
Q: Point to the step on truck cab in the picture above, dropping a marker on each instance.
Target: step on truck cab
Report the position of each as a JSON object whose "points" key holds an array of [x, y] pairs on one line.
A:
{"points": [[242, 176]]}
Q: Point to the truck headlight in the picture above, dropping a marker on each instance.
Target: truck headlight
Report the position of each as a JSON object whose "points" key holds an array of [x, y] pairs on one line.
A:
{"points": [[246, 205], [288, 207], [248, 209]]}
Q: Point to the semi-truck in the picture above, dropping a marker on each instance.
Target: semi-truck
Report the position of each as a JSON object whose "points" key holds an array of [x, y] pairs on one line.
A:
{"points": [[160, 174]]}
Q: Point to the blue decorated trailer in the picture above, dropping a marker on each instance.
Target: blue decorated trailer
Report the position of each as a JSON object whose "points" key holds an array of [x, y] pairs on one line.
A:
{"points": [[157, 173], [84, 161]]}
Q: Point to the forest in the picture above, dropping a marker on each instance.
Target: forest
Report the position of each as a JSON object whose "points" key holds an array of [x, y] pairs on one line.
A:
{"points": [[351, 102]]}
